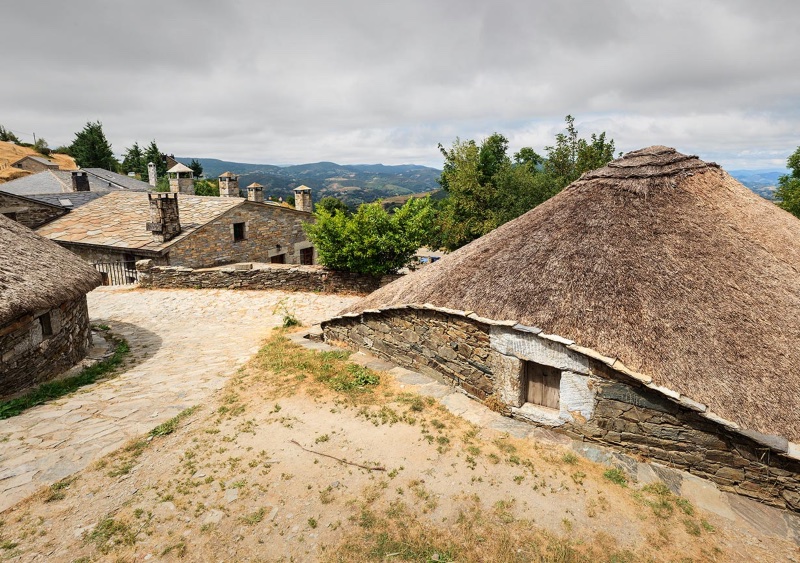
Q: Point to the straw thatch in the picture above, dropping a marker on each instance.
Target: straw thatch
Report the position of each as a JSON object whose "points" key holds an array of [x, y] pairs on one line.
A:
{"points": [[36, 274], [658, 259]]}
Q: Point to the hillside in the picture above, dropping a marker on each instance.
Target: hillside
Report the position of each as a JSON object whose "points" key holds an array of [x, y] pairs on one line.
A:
{"points": [[9, 152], [352, 183]]}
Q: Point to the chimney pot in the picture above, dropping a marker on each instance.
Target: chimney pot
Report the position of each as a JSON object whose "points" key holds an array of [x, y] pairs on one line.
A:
{"points": [[80, 181]]}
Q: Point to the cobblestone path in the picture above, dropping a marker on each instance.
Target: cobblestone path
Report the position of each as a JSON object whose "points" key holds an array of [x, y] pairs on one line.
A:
{"points": [[184, 345]]}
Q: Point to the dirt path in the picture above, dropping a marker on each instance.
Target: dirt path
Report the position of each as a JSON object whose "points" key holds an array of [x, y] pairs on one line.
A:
{"points": [[185, 344]]}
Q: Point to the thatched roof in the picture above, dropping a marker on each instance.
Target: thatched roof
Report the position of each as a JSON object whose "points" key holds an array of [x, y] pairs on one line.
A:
{"points": [[659, 259], [36, 273]]}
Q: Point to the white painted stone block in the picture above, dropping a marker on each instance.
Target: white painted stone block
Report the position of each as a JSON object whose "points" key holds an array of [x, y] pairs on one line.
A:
{"points": [[527, 346]]}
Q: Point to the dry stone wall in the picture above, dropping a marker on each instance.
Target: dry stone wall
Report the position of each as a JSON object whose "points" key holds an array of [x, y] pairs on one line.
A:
{"points": [[264, 276], [28, 357], [485, 361]]}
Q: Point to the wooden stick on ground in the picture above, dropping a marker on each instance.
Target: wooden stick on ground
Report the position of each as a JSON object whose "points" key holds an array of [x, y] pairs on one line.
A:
{"points": [[368, 467]]}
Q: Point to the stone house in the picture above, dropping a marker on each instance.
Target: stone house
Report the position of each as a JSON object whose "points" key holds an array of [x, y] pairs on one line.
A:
{"points": [[34, 164], [182, 230], [29, 211], [44, 322], [652, 306]]}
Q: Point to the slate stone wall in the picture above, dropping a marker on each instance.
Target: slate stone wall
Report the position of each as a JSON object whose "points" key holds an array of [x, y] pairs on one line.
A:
{"points": [[430, 342], [626, 415], [264, 276], [32, 214], [27, 357], [267, 227]]}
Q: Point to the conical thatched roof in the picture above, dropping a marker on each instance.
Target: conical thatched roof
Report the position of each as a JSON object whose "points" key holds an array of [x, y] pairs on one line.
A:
{"points": [[37, 274], [659, 259]]}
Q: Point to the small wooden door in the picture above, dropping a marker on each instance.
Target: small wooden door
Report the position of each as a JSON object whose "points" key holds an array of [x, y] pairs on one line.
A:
{"points": [[307, 255], [542, 385]]}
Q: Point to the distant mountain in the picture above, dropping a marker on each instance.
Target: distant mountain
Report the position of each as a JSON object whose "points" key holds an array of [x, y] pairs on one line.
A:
{"points": [[762, 182], [352, 183]]}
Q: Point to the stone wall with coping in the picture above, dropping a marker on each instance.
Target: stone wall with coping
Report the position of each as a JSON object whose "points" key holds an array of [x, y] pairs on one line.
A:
{"points": [[30, 213], [260, 276], [27, 357], [597, 403]]}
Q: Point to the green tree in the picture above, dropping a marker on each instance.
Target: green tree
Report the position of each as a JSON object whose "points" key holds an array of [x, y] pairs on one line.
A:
{"points": [[206, 187], [134, 161], [485, 188], [91, 149], [8, 136], [41, 146], [153, 154], [371, 240], [788, 192], [196, 167], [332, 205]]}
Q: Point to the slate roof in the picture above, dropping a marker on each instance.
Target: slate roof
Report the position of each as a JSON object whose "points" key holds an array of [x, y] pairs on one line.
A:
{"points": [[68, 200], [118, 219], [117, 180], [38, 159]]}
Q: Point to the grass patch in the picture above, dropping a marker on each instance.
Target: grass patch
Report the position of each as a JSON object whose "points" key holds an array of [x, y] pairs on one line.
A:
{"points": [[169, 426], [56, 389], [110, 533], [616, 476]]}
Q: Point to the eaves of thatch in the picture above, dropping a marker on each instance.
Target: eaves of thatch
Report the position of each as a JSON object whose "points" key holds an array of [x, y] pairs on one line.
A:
{"points": [[37, 274], [660, 262]]}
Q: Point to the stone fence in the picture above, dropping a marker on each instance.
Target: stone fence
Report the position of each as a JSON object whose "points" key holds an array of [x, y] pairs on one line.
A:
{"points": [[259, 276]]}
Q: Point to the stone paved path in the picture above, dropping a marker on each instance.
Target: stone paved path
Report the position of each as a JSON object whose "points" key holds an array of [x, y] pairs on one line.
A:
{"points": [[185, 344]]}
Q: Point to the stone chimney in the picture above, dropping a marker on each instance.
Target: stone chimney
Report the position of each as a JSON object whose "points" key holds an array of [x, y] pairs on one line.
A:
{"points": [[229, 185], [152, 176], [255, 192], [181, 179], [164, 221], [80, 181], [302, 199]]}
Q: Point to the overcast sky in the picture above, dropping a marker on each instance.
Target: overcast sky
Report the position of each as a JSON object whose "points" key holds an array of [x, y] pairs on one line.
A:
{"points": [[372, 81]]}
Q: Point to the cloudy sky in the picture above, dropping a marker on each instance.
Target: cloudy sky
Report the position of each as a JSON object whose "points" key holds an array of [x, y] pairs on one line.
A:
{"points": [[365, 81]]}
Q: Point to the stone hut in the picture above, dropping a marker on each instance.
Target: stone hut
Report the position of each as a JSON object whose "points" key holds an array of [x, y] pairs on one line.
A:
{"points": [[652, 306], [182, 230], [181, 179], [34, 164], [44, 322]]}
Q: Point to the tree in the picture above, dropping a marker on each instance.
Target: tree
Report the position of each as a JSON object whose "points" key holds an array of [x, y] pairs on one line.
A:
{"points": [[134, 161], [41, 146], [196, 167], [788, 192], [332, 205], [153, 154], [91, 149], [485, 188], [8, 136], [371, 241], [206, 187]]}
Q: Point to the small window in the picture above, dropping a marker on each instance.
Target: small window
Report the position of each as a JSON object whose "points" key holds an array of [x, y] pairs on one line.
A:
{"points": [[238, 232], [307, 255], [278, 259], [542, 385], [47, 326]]}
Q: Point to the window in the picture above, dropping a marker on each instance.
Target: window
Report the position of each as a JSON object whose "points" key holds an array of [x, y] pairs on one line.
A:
{"points": [[542, 385], [278, 259], [47, 326], [307, 255], [238, 232]]}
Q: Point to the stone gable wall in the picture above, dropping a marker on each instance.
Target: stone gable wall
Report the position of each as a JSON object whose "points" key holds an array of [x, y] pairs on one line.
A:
{"points": [[607, 407], [264, 276], [32, 214], [28, 358], [266, 227]]}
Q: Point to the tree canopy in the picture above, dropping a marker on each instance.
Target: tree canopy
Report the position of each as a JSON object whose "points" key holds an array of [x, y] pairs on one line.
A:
{"points": [[332, 205], [486, 187], [91, 149], [788, 192], [371, 240], [196, 167]]}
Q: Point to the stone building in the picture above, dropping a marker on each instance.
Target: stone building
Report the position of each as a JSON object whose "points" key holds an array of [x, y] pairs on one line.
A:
{"points": [[182, 230], [44, 322], [30, 212], [34, 164], [652, 306], [229, 185]]}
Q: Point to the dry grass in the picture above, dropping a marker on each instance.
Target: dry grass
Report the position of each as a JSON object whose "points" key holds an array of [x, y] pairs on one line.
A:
{"points": [[226, 483], [9, 152]]}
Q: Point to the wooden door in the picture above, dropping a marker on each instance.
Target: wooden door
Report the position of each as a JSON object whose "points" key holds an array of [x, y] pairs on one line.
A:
{"points": [[542, 385]]}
